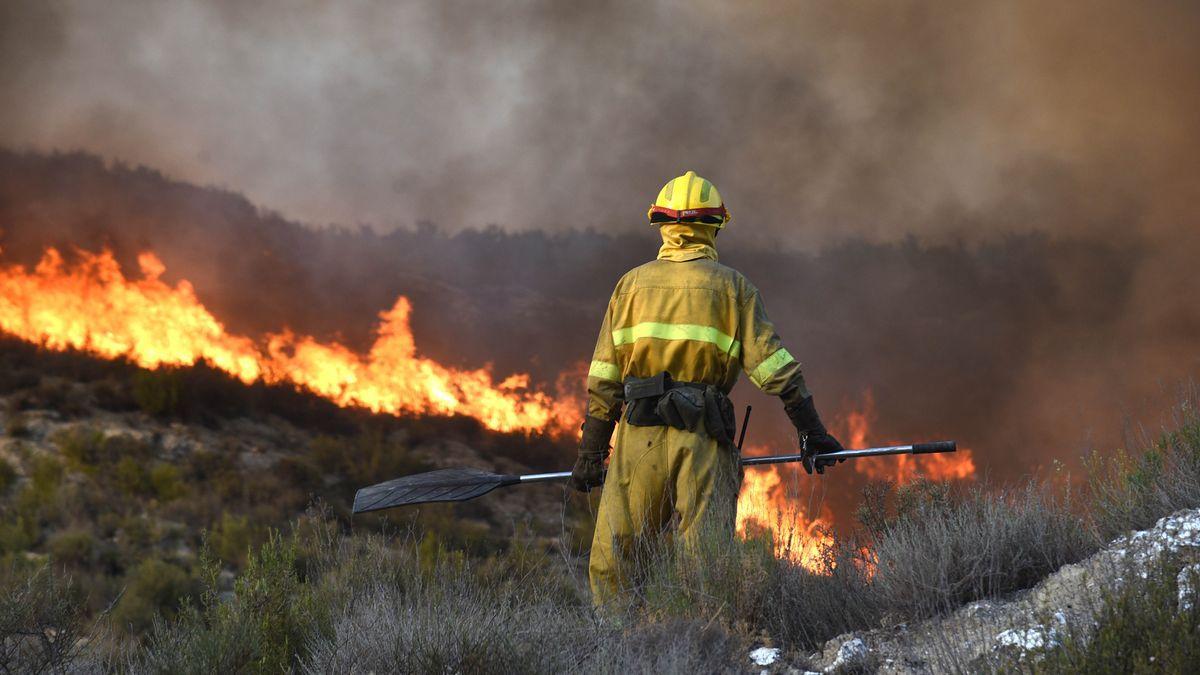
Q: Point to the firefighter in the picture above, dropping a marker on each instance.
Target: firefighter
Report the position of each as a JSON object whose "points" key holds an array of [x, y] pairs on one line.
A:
{"points": [[677, 332]]}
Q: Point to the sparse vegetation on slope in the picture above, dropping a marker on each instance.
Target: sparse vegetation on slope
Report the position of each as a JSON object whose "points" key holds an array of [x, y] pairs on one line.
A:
{"points": [[169, 535]]}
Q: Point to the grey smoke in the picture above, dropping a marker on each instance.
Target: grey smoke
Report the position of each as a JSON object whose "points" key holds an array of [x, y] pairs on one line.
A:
{"points": [[818, 121]]}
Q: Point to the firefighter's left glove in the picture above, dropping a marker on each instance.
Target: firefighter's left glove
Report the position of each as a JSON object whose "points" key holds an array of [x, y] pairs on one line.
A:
{"points": [[815, 438], [593, 450]]}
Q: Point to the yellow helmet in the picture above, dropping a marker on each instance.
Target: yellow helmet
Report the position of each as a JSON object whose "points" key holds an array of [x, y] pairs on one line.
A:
{"points": [[689, 199]]}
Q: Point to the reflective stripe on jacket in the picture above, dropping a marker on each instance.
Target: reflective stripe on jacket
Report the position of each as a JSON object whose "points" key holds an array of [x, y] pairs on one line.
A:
{"points": [[698, 320]]}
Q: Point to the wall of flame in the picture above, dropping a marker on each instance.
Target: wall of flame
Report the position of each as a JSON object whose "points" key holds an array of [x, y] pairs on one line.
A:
{"points": [[93, 307]]}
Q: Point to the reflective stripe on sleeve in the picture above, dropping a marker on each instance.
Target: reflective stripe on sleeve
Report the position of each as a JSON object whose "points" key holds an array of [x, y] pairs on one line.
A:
{"points": [[770, 366], [677, 331], [605, 371]]}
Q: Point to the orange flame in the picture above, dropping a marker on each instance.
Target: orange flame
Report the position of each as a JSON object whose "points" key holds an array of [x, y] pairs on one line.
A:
{"points": [[93, 307], [901, 468], [764, 507]]}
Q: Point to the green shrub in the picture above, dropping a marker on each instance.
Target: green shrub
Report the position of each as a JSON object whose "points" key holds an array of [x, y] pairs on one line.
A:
{"points": [[41, 620], [262, 629], [299, 473], [155, 588], [38, 501], [271, 594], [157, 392], [82, 447], [18, 534], [131, 477], [138, 532], [368, 457], [166, 482], [1131, 492], [45, 475], [72, 547], [232, 539]]}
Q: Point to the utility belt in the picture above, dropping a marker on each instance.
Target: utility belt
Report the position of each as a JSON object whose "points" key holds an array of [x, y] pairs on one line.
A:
{"points": [[660, 401]]}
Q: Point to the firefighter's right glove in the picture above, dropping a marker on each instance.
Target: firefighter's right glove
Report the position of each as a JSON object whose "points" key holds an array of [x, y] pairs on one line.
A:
{"points": [[814, 438], [593, 450]]}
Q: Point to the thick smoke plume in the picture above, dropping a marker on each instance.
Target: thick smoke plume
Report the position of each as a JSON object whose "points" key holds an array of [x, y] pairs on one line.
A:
{"points": [[818, 121]]}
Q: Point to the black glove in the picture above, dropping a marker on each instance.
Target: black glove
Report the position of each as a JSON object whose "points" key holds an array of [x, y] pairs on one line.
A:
{"points": [[593, 450], [814, 439]]}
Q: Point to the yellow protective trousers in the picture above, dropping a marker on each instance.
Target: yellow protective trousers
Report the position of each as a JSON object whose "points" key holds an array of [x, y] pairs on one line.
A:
{"points": [[658, 476]]}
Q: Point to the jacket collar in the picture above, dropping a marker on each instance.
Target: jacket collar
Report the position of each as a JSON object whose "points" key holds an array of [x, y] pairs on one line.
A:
{"points": [[687, 241]]}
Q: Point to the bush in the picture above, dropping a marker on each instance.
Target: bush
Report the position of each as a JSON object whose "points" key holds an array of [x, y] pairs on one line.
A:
{"points": [[806, 608], [45, 475], [941, 550], [131, 477], [157, 392], [41, 621], [261, 629], [60, 394], [155, 589], [166, 483], [232, 539], [369, 457], [1132, 492], [82, 447], [714, 578], [73, 547], [18, 535]]}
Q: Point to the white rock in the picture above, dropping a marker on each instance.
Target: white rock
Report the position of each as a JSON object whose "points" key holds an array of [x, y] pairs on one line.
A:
{"points": [[1026, 639], [851, 652], [1186, 582], [764, 656]]}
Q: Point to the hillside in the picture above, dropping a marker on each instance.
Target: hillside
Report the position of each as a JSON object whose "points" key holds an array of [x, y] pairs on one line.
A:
{"points": [[119, 475], [161, 520]]}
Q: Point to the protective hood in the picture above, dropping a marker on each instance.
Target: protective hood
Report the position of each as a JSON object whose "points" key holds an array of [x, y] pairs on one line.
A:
{"points": [[687, 241]]}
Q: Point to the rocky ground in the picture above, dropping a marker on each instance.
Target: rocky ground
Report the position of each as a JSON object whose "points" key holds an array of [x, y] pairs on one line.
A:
{"points": [[986, 635]]}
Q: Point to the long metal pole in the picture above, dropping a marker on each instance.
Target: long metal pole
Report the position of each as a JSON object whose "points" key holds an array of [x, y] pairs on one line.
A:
{"points": [[913, 449]]}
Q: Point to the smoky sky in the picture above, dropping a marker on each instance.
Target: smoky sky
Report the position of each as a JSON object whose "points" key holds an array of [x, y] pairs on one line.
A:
{"points": [[818, 121]]}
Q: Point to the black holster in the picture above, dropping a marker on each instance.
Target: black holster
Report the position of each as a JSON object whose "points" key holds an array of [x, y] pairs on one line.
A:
{"points": [[660, 401]]}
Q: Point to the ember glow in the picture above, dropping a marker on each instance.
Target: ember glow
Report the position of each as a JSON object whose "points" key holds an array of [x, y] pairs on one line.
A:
{"points": [[91, 306]]}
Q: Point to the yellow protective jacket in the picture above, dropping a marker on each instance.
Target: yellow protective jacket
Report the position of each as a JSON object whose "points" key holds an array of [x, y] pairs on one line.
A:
{"points": [[693, 317]]}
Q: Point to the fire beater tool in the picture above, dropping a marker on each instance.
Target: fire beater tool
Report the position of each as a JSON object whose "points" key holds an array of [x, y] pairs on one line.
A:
{"points": [[458, 485]]}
